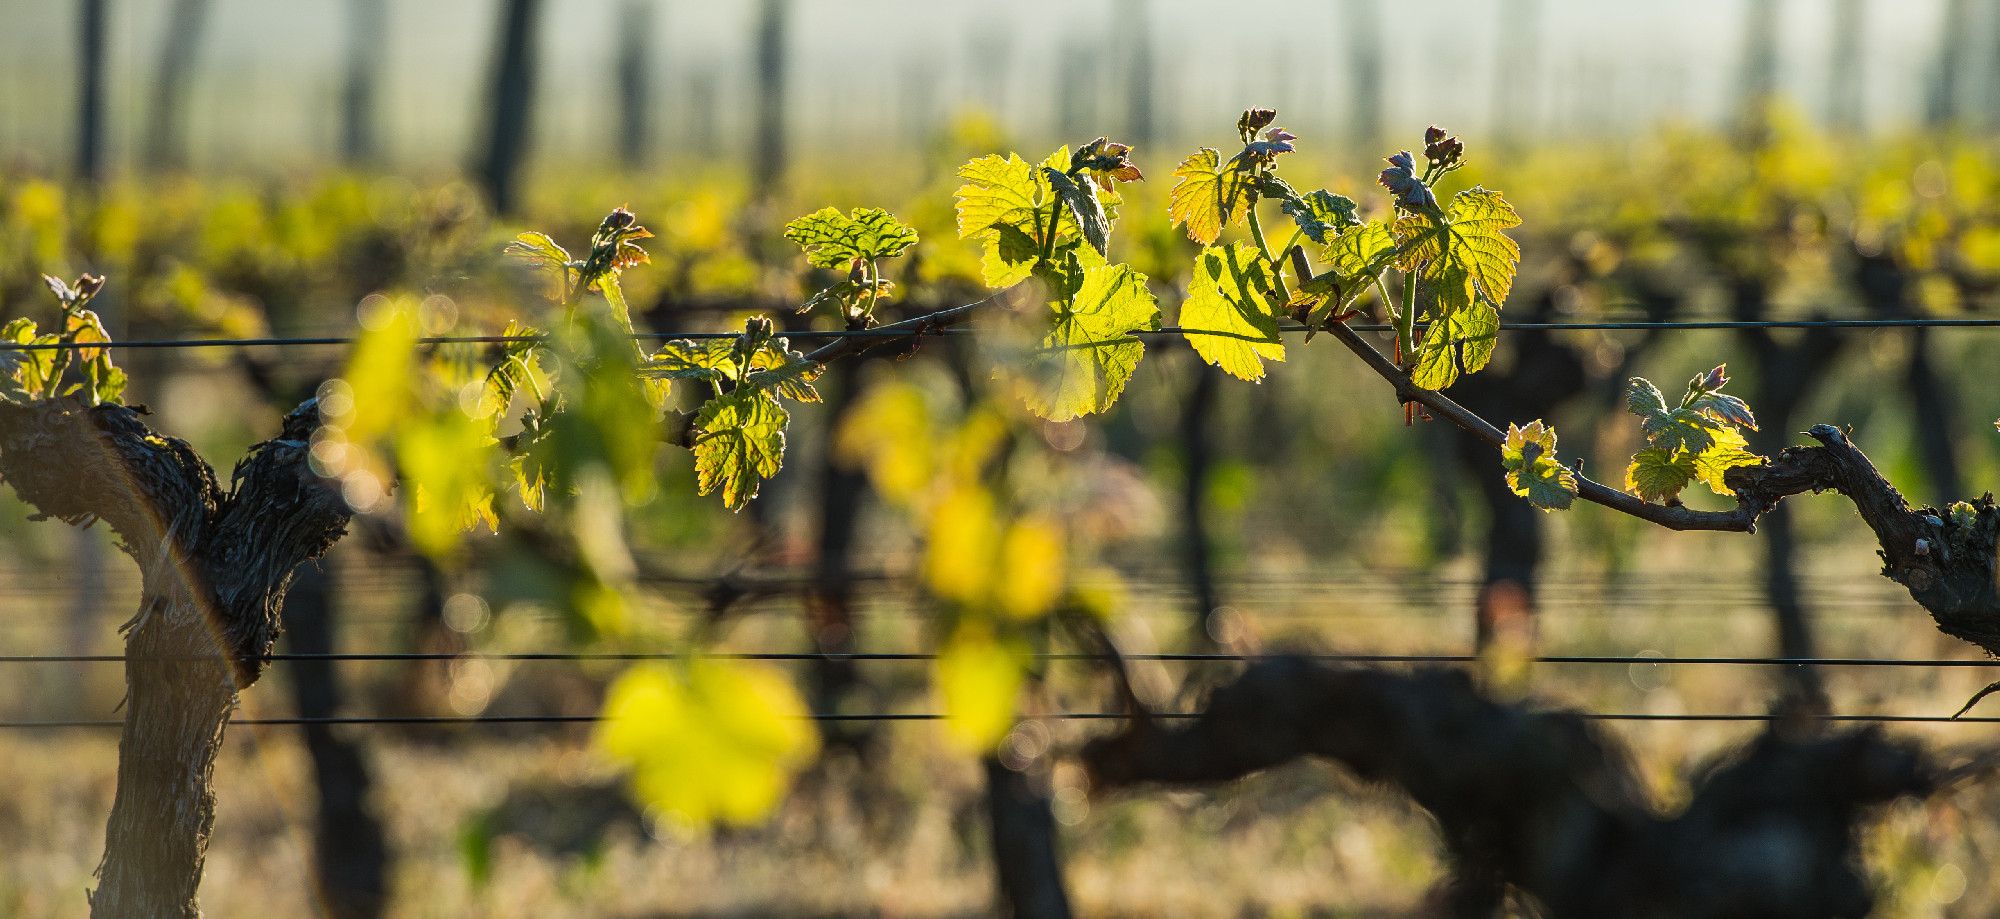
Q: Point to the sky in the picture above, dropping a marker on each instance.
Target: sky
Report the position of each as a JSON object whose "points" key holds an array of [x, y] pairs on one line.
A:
{"points": [[887, 72]]}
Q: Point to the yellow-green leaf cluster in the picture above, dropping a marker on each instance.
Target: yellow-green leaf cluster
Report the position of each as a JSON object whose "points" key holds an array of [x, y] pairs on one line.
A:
{"points": [[1466, 256], [1700, 439], [1209, 196], [1529, 457], [833, 240], [1458, 343], [1228, 316], [741, 444], [1087, 355], [708, 741]]}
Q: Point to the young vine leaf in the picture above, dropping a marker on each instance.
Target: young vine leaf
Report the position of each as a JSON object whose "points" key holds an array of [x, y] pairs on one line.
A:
{"points": [[1529, 456], [1087, 356], [834, 240], [1228, 315], [1320, 214], [708, 741], [1360, 252], [1699, 439], [1457, 343], [1465, 255], [741, 439], [742, 443], [1210, 196], [1000, 205]]}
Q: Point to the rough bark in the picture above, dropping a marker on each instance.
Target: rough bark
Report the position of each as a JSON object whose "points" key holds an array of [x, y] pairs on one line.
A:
{"points": [[1541, 802], [215, 564]]}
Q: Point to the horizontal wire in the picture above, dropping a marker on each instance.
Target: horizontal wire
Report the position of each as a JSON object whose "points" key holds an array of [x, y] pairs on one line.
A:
{"points": [[1167, 330], [933, 716], [927, 656]]}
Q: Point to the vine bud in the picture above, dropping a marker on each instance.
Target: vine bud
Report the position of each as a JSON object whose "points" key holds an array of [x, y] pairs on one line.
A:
{"points": [[1254, 120]]}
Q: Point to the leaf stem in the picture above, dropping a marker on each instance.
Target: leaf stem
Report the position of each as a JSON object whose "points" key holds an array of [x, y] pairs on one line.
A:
{"points": [[1277, 270], [1406, 323]]}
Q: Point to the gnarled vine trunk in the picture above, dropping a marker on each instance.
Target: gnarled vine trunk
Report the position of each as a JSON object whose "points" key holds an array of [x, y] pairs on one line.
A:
{"points": [[215, 564]]}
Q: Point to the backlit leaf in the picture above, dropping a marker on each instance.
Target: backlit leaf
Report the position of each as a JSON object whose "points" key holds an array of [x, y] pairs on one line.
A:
{"points": [[998, 205], [963, 544], [1087, 356], [1461, 342], [709, 359], [1228, 315], [978, 679], [1210, 196], [1081, 199], [779, 370], [742, 443], [832, 239], [1321, 214], [708, 741], [443, 458], [1031, 568], [1729, 451], [1361, 250], [1465, 256], [1657, 475], [1529, 457]]}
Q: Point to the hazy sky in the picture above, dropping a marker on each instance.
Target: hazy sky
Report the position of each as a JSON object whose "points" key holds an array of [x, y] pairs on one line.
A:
{"points": [[888, 70]]}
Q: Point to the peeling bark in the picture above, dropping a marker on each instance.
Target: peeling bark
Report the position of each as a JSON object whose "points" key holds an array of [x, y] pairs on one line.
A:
{"points": [[215, 565], [1542, 802]]}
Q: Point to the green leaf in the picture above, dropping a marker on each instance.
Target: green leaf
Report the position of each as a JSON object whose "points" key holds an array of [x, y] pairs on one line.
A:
{"points": [[1209, 197], [998, 205], [1658, 475], [1228, 314], [1724, 408], [1529, 456], [979, 679], [28, 374], [538, 250], [1729, 451], [1087, 357], [443, 456], [520, 366], [709, 359], [742, 443], [1642, 398], [1081, 198], [783, 372], [1461, 342], [107, 381], [1466, 256], [1361, 251], [615, 295], [832, 239], [1674, 429], [708, 740], [1321, 214]]}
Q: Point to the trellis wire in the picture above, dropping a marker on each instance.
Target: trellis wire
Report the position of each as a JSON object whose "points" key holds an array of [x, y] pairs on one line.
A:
{"points": [[1611, 326], [928, 656], [933, 716]]}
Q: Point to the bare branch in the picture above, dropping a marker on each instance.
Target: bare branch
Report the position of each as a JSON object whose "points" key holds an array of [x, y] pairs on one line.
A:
{"points": [[1542, 802]]}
